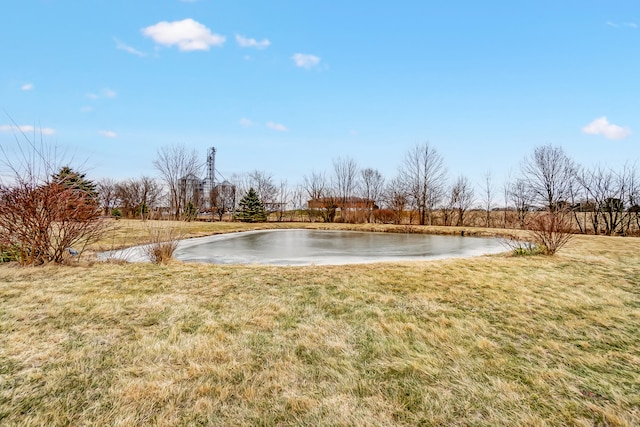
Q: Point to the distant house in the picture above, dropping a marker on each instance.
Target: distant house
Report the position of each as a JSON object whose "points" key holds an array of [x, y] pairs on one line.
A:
{"points": [[349, 204]]}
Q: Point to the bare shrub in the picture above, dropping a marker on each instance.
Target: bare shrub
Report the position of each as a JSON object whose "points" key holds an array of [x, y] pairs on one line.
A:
{"points": [[46, 211], [42, 222], [163, 242], [550, 230]]}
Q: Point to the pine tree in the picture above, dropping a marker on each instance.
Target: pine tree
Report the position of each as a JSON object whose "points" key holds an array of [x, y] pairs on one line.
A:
{"points": [[75, 180], [251, 208]]}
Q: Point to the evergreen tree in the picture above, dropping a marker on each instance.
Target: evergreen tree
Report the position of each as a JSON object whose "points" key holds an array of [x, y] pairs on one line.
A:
{"points": [[251, 208], [75, 180]]}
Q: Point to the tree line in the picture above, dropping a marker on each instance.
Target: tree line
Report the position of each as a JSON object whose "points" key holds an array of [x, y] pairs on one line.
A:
{"points": [[595, 200], [47, 209]]}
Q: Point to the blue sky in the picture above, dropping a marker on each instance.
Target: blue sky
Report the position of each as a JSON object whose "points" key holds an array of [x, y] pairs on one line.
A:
{"points": [[286, 86]]}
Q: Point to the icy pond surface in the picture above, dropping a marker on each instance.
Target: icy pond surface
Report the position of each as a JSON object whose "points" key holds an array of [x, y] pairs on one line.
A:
{"points": [[307, 247]]}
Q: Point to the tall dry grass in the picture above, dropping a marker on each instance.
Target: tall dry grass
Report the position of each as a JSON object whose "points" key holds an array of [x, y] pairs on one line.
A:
{"points": [[493, 340]]}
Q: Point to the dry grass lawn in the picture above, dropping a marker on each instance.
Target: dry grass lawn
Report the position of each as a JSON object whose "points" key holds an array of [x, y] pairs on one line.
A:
{"points": [[488, 341]]}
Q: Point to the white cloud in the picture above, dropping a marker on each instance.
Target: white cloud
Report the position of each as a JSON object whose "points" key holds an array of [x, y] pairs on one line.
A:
{"points": [[186, 34], [108, 133], [277, 126], [245, 122], [601, 126], [624, 24], [249, 42], [122, 46], [27, 129], [305, 60], [104, 93], [27, 86], [108, 93]]}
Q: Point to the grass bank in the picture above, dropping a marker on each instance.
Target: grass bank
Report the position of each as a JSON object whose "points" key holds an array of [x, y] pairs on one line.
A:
{"points": [[494, 340]]}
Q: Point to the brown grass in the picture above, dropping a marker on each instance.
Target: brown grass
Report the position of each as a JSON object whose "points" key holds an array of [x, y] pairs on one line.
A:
{"points": [[495, 340], [163, 242]]}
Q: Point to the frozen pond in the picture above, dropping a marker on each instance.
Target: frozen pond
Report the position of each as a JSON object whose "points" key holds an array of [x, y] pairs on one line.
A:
{"points": [[306, 247]]}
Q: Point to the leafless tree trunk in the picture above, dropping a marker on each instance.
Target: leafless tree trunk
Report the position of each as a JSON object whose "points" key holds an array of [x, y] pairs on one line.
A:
{"points": [[283, 198], [322, 198], [262, 183], [463, 196], [549, 173], [608, 192], [447, 208], [372, 185], [222, 200], [106, 188], [488, 191], [424, 177], [315, 185], [521, 197], [298, 200], [345, 184], [396, 199], [174, 163]]}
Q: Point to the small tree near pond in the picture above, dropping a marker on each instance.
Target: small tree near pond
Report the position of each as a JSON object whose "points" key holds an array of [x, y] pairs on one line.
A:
{"points": [[251, 208]]}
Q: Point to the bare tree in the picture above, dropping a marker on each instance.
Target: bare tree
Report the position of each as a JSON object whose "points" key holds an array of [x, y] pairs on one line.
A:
{"points": [[549, 172], [447, 207], [321, 197], [396, 199], [222, 199], [106, 188], [424, 177], [608, 196], [345, 184], [487, 193], [176, 163], [262, 183], [633, 196], [298, 200], [283, 198], [506, 188], [371, 188], [138, 197], [315, 185], [521, 196], [463, 197]]}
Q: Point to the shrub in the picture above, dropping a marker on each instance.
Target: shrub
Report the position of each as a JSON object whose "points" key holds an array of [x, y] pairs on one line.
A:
{"points": [[116, 213], [163, 242], [550, 231], [43, 221], [46, 212]]}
